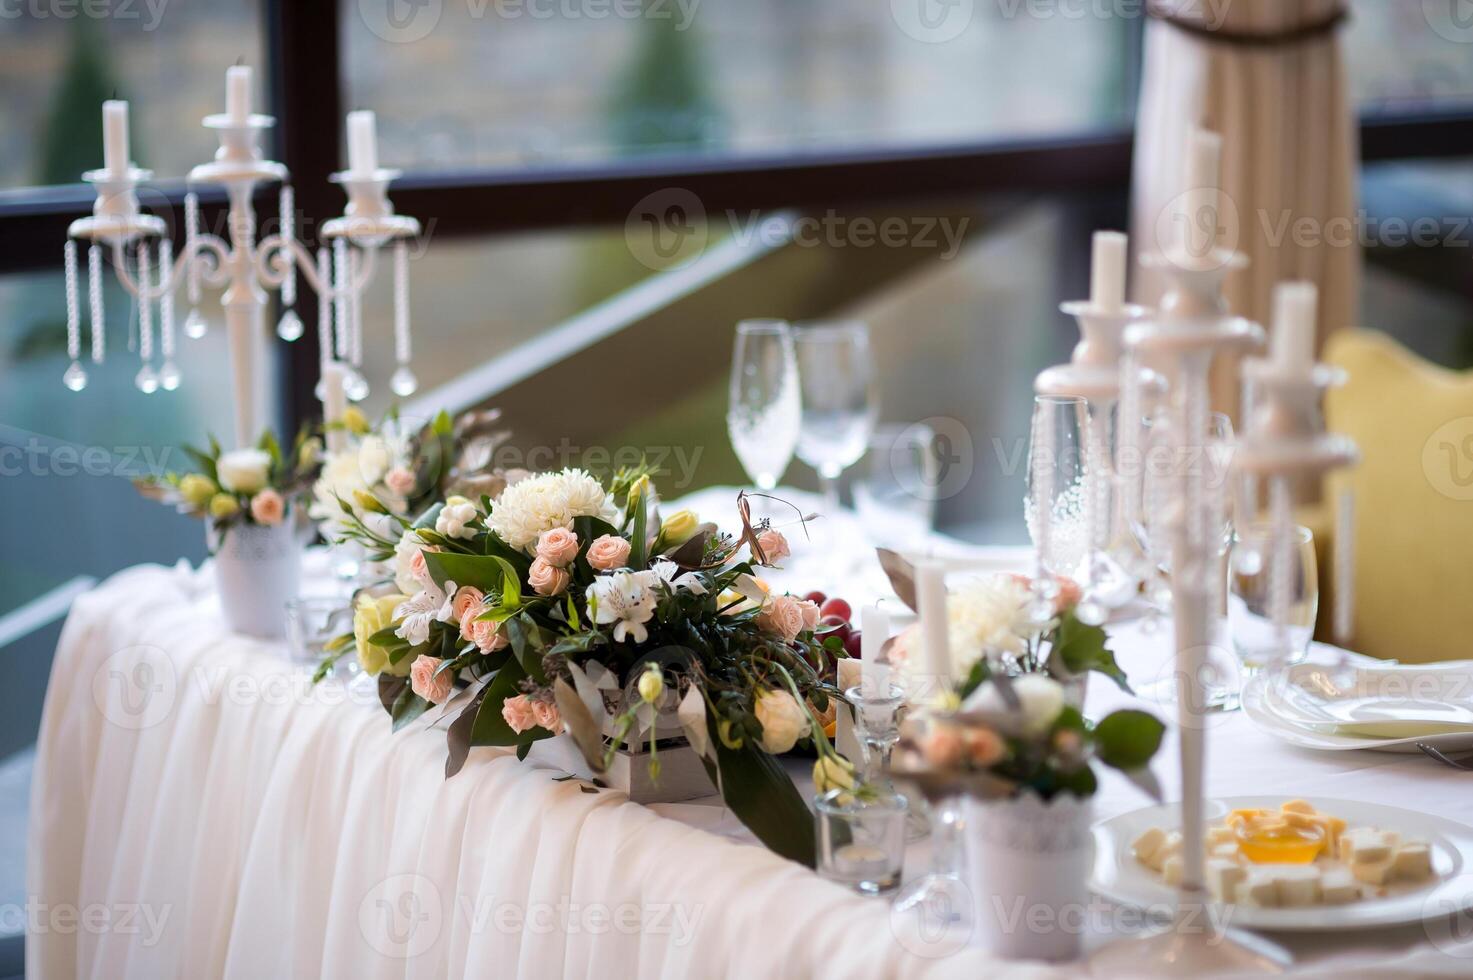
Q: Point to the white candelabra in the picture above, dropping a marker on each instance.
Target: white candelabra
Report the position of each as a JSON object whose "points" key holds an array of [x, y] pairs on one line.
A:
{"points": [[338, 273]]}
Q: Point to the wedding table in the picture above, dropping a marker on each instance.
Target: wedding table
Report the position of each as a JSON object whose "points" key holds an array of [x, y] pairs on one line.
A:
{"points": [[199, 809]]}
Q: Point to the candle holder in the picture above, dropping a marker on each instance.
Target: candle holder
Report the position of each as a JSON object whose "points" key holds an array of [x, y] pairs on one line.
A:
{"points": [[861, 839], [877, 723], [241, 265]]}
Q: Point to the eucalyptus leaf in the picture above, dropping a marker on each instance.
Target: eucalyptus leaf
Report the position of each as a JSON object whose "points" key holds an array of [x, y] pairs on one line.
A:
{"points": [[760, 793], [902, 575], [580, 724]]}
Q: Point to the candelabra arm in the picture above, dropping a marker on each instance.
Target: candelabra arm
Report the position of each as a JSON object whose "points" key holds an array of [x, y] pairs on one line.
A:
{"points": [[275, 253], [168, 282]]}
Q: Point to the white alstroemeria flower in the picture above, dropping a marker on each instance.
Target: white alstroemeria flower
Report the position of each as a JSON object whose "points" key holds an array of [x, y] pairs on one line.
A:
{"points": [[625, 599], [669, 573], [431, 604], [454, 516]]}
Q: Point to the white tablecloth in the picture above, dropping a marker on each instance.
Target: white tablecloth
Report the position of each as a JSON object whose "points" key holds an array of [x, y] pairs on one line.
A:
{"points": [[200, 810]]}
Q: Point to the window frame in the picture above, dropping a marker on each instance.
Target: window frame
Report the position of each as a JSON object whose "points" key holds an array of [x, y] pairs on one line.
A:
{"points": [[305, 87]]}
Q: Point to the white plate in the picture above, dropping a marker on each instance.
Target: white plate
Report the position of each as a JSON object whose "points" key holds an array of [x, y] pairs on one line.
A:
{"points": [[1267, 706], [1119, 877]]}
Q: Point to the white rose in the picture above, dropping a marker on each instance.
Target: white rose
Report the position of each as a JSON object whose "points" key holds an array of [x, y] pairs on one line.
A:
{"points": [[409, 545], [243, 470], [1040, 699], [783, 720], [373, 459], [454, 516]]}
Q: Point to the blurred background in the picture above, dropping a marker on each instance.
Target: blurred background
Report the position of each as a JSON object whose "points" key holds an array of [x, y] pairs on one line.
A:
{"points": [[607, 187]]}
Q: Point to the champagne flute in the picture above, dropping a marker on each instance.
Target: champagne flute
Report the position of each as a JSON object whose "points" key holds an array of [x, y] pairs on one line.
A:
{"points": [[764, 414], [1056, 504], [838, 416]]}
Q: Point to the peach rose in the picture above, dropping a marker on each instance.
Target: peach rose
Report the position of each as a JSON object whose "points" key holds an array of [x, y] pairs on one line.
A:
{"points": [[486, 635], [419, 569], [943, 747], [519, 713], [1069, 590], [608, 553], [547, 715], [466, 606], [422, 678], [267, 507], [784, 616], [774, 546], [557, 546], [546, 578], [400, 481], [809, 609], [984, 747]]}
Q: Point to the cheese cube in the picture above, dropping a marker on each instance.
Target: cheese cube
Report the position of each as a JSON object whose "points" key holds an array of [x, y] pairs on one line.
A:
{"points": [[1146, 845], [1412, 862], [1171, 870], [1224, 878], [1337, 886], [1220, 834], [1228, 851], [1259, 889], [1367, 844], [1372, 872], [1298, 884]]}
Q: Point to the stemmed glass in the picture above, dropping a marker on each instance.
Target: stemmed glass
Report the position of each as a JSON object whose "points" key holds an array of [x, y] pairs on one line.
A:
{"points": [[1056, 504], [838, 404], [764, 413]]}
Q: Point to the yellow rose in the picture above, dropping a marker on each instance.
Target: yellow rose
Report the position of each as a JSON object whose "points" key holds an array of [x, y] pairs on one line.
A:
{"points": [[833, 772], [197, 489], [651, 684], [676, 529], [369, 616], [367, 502], [223, 505], [355, 421]]}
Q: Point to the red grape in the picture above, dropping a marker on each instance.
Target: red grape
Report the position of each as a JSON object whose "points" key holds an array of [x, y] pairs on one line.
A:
{"points": [[837, 607], [852, 644], [817, 596]]}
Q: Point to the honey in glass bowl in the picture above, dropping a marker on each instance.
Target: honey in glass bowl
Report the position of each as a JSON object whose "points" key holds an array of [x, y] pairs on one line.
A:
{"points": [[1272, 840]]}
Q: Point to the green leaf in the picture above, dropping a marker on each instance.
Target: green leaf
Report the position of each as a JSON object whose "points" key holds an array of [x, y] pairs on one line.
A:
{"points": [[407, 707], [1083, 648], [443, 425], [638, 541], [485, 572], [428, 518], [759, 792], [526, 643], [1128, 739], [489, 727]]}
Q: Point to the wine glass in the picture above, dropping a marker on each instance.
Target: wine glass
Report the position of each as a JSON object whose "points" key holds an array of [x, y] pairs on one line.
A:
{"points": [[895, 494], [838, 414], [1056, 503], [764, 414]]}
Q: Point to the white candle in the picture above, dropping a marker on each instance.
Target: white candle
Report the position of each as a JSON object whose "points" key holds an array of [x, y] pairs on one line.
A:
{"points": [[874, 678], [238, 93], [1292, 344], [935, 651], [115, 136], [1107, 271], [362, 142], [334, 403]]}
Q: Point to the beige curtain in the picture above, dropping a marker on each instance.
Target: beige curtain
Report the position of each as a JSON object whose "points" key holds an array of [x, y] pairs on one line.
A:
{"points": [[1290, 148]]}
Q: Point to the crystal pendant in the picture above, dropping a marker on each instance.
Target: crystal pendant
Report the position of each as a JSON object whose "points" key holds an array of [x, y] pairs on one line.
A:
{"points": [[75, 377], [195, 325], [289, 328], [403, 382], [146, 380], [356, 387], [169, 376]]}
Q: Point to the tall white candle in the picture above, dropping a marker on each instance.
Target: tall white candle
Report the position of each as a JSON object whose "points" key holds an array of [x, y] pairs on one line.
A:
{"points": [[1292, 345], [362, 142], [238, 93], [935, 651], [115, 136], [874, 678], [1107, 271], [334, 403]]}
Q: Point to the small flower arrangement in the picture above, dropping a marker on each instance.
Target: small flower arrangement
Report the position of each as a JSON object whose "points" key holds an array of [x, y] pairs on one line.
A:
{"points": [[1013, 736], [562, 604], [256, 485], [994, 625]]}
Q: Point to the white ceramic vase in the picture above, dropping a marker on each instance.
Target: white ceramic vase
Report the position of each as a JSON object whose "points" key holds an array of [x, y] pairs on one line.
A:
{"points": [[1028, 866], [258, 570]]}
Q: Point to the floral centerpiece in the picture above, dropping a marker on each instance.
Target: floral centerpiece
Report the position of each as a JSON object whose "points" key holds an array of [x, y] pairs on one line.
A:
{"points": [[246, 498], [566, 606]]}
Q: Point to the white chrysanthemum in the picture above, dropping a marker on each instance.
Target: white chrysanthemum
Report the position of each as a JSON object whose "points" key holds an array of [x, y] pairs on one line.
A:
{"points": [[988, 615], [339, 478], [543, 502]]}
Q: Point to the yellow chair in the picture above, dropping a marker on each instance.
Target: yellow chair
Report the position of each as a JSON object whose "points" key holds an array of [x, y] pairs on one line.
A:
{"points": [[1413, 490]]}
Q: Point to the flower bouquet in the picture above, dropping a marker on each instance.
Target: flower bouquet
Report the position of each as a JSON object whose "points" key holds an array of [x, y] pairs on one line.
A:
{"points": [[564, 606], [246, 499]]}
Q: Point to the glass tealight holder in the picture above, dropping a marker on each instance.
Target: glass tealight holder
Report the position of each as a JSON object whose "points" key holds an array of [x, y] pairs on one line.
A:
{"points": [[876, 724], [311, 623], [861, 839]]}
